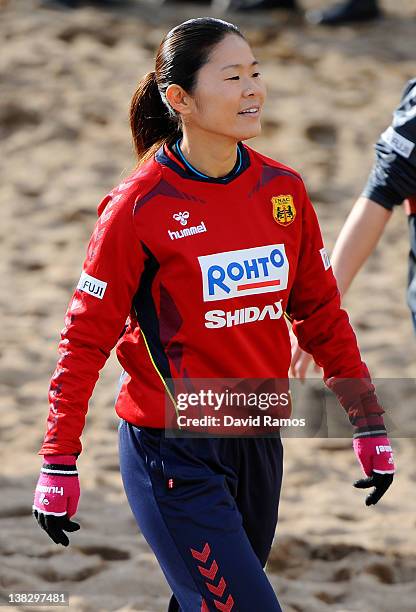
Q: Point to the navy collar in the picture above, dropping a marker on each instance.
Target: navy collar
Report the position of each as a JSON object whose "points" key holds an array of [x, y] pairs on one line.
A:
{"points": [[172, 156]]}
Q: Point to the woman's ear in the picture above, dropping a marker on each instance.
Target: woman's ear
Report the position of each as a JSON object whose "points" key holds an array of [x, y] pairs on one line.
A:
{"points": [[178, 99]]}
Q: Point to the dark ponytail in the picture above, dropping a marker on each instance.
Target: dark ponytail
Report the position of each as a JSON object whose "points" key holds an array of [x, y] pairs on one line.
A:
{"points": [[181, 54], [151, 122]]}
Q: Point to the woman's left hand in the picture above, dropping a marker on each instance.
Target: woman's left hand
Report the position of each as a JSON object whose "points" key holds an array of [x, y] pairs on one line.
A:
{"points": [[300, 359], [376, 458]]}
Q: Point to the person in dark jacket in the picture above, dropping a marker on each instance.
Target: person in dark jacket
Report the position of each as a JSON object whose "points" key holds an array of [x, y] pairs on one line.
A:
{"points": [[349, 11]]}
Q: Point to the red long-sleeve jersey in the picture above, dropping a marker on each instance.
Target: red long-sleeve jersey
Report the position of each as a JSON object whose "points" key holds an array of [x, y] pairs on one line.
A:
{"points": [[190, 277]]}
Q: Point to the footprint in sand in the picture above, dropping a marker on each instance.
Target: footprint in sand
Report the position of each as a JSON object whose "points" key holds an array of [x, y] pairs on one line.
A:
{"points": [[324, 134], [15, 116], [107, 553], [382, 571], [107, 37], [71, 568]]}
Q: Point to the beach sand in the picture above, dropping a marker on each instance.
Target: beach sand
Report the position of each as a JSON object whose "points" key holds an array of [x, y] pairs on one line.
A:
{"points": [[66, 81]]}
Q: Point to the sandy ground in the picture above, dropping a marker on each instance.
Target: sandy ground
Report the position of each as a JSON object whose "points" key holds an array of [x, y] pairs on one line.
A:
{"points": [[66, 80]]}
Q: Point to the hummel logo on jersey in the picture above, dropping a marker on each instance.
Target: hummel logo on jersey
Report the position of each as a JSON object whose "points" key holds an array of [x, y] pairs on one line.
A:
{"points": [[182, 217], [244, 272]]}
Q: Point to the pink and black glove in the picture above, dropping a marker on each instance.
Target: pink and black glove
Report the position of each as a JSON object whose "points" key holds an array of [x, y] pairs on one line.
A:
{"points": [[57, 496], [376, 458], [370, 442]]}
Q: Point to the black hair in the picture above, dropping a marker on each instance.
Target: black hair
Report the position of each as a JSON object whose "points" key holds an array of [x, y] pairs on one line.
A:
{"points": [[181, 54]]}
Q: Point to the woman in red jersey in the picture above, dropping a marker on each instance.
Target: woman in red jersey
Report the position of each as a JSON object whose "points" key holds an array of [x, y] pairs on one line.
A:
{"points": [[194, 260]]}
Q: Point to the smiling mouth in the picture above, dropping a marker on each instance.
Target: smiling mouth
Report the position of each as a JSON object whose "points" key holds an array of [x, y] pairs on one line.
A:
{"points": [[250, 111]]}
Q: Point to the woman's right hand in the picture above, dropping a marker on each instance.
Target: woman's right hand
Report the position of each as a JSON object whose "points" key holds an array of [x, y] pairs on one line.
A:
{"points": [[56, 497], [300, 359]]}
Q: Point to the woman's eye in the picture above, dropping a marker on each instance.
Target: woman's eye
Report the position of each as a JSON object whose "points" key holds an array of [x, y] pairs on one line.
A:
{"points": [[236, 78]]}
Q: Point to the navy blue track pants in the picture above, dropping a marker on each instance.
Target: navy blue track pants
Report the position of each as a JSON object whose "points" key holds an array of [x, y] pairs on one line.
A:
{"points": [[208, 509]]}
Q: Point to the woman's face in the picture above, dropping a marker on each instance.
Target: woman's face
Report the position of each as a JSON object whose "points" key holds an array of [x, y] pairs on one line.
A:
{"points": [[229, 92]]}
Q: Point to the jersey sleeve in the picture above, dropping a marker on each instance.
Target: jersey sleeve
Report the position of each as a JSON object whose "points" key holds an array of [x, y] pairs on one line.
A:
{"points": [[94, 321], [323, 329], [392, 178]]}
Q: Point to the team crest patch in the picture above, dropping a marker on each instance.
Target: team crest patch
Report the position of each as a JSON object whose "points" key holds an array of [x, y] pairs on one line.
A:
{"points": [[284, 211]]}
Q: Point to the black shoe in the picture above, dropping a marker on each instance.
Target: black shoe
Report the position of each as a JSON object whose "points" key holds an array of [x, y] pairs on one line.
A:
{"points": [[170, 2], [262, 5], [352, 11], [59, 4], [73, 4]]}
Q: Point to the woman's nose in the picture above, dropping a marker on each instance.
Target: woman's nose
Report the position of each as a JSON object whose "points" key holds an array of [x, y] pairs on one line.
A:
{"points": [[252, 89], [249, 90]]}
